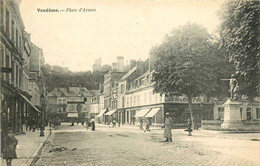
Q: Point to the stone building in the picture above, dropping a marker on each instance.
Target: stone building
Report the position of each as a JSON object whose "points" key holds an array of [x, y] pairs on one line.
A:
{"points": [[70, 102], [15, 51]]}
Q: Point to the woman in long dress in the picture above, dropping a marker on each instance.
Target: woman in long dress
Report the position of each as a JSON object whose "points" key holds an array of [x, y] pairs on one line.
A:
{"points": [[10, 148], [168, 128], [92, 121]]}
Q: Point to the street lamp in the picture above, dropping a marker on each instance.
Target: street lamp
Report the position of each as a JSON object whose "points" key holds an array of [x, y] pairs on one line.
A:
{"points": [[42, 115]]}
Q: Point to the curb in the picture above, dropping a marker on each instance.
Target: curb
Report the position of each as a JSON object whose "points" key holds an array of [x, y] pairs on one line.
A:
{"points": [[35, 154]]}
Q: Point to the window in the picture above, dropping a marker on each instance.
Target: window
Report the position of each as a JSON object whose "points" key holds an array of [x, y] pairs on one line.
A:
{"points": [[12, 30], [138, 100], [257, 113], [150, 97], [1, 12], [248, 114], [64, 101], [2, 55], [17, 76], [7, 62], [241, 113], [122, 88], [7, 21], [59, 101]]}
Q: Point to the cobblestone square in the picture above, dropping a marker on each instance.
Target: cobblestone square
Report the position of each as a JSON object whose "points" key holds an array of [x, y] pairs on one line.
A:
{"points": [[123, 146]]}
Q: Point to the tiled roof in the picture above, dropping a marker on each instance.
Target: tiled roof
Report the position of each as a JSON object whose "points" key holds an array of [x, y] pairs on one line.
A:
{"points": [[71, 91]]}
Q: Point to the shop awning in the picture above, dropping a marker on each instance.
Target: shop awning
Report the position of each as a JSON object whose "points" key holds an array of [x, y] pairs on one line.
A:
{"points": [[152, 112], [30, 103], [101, 113], [72, 115], [142, 112], [110, 112]]}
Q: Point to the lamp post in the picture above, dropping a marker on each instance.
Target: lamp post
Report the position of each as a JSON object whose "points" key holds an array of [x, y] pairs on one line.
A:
{"points": [[42, 115]]}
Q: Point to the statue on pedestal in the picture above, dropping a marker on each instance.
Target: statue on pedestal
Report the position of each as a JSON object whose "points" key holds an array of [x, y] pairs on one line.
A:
{"points": [[234, 88]]}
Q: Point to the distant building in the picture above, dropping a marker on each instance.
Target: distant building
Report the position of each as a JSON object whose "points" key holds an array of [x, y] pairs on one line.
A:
{"points": [[110, 84], [120, 64], [70, 101], [97, 65], [36, 83]]}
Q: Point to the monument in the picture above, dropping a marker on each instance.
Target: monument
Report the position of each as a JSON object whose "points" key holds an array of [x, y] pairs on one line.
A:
{"points": [[232, 117]]}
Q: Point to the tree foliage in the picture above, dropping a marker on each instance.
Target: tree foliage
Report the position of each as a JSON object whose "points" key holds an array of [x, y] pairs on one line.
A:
{"points": [[240, 38], [56, 76], [189, 63]]}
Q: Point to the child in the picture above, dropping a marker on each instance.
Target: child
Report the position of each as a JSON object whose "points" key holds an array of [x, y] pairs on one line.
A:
{"points": [[10, 148]]}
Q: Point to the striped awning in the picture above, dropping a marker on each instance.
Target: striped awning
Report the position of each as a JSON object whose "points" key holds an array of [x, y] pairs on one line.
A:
{"points": [[72, 115], [30, 103], [110, 112], [142, 112], [101, 113], [152, 112]]}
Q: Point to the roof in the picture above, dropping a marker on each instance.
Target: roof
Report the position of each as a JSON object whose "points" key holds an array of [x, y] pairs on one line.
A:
{"points": [[71, 91], [129, 73], [94, 92]]}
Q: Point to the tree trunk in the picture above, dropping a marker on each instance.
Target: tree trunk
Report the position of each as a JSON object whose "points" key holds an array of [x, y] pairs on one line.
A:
{"points": [[190, 108]]}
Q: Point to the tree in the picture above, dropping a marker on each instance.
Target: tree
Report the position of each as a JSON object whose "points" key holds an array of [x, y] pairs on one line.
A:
{"points": [[240, 38], [186, 64]]}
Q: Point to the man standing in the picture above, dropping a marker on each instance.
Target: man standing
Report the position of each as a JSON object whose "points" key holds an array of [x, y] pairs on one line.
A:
{"points": [[168, 128]]}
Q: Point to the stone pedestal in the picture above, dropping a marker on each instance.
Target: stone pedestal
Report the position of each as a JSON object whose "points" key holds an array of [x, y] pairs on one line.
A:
{"points": [[232, 117]]}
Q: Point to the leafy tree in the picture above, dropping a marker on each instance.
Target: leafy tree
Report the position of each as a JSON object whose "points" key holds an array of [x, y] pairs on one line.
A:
{"points": [[240, 38], [186, 63]]}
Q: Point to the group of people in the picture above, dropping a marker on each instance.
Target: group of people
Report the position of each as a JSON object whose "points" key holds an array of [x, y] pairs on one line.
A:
{"points": [[168, 128], [147, 125], [90, 123]]}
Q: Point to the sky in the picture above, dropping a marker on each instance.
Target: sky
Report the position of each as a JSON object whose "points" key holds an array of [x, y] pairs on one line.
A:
{"points": [[116, 27]]}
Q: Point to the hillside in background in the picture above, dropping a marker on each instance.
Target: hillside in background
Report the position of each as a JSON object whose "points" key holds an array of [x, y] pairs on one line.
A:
{"points": [[56, 76]]}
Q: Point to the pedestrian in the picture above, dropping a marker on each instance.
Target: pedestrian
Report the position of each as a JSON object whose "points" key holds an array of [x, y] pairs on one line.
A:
{"points": [[147, 127], [189, 126], [168, 128], [25, 125], [92, 121], [34, 124], [87, 123], [114, 123], [141, 124], [10, 148]]}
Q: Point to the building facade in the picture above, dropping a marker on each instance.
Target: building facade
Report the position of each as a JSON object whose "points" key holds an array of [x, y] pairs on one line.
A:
{"points": [[71, 102], [15, 50]]}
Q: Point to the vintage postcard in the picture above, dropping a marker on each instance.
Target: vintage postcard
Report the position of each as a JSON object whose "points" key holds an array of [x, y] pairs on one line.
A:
{"points": [[130, 82]]}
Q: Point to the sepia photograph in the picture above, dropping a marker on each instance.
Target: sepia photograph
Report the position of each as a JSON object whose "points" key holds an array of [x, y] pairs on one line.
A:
{"points": [[130, 82]]}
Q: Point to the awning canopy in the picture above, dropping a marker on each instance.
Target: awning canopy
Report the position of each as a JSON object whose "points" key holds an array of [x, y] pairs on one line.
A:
{"points": [[142, 112], [101, 113], [110, 112], [72, 115], [152, 112], [30, 103]]}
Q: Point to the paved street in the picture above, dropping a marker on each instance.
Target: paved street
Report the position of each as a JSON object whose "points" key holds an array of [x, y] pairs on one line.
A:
{"points": [[129, 146]]}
